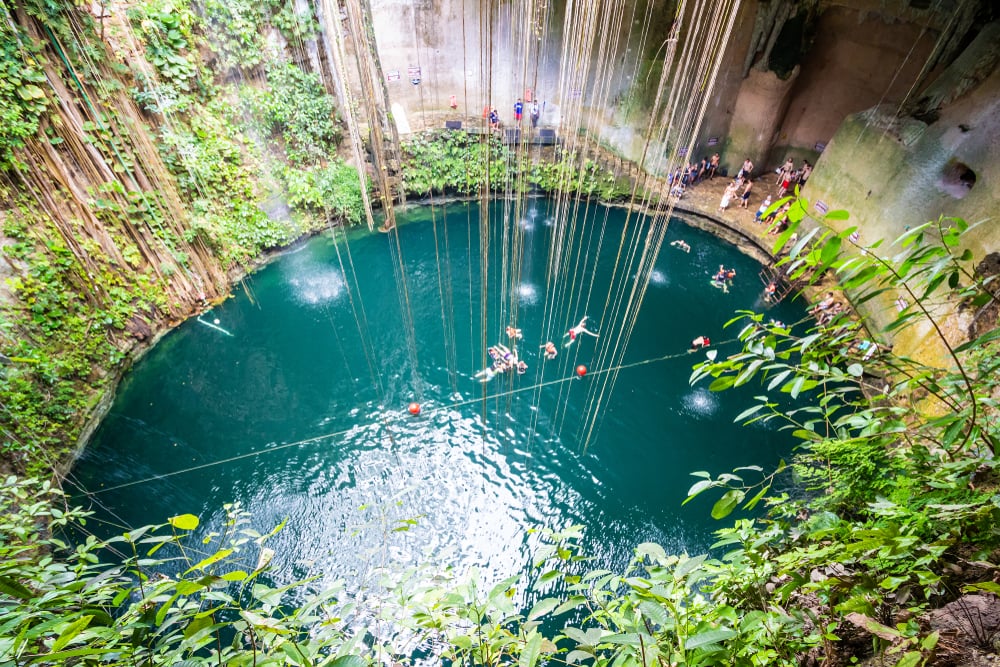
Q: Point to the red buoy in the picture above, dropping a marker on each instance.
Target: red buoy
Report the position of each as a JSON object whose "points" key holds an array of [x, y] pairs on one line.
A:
{"points": [[414, 408], [581, 370]]}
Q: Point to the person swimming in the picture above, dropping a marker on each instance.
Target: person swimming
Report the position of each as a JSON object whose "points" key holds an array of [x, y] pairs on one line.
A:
{"points": [[700, 342], [513, 333], [576, 331], [549, 350], [719, 279], [486, 374]]}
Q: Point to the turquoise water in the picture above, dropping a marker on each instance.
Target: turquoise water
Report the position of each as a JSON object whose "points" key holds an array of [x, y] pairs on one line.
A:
{"points": [[291, 399]]}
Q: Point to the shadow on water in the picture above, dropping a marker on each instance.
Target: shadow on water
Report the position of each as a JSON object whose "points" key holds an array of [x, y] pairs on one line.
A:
{"points": [[351, 470]]}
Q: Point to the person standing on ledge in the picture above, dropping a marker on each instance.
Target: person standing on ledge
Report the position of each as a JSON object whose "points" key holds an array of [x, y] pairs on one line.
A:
{"points": [[535, 113], [518, 110]]}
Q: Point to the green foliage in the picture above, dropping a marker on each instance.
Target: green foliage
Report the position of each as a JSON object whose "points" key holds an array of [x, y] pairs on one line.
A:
{"points": [[234, 28], [454, 162], [333, 190], [297, 109], [293, 25], [60, 335], [212, 170], [23, 101], [165, 28], [896, 457], [463, 163], [587, 179], [233, 31], [61, 605]]}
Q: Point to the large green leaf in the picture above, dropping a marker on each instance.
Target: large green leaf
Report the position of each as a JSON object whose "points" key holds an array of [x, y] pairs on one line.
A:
{"points": [[727, 503], [14, 588], [532, 648], [349, 661], [543, 607], [709, 637], [70, 631]]}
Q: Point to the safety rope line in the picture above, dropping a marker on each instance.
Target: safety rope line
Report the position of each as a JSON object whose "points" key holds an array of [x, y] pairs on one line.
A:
{"points": [[389, 419]]}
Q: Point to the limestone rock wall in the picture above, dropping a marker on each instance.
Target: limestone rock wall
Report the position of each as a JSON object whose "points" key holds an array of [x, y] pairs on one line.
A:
{"points": [[895, 173]]}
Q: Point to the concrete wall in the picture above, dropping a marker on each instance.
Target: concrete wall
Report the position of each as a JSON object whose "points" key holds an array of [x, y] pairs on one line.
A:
{"points": [[514, 52]]}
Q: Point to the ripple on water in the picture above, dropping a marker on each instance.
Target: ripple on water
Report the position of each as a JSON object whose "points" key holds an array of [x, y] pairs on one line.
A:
{"points": [[528, 294], [700, 403], [320, 285], [659, 278], [460, 484]]}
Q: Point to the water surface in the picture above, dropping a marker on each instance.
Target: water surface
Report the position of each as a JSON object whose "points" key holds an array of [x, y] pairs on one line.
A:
{"points": [[291, 398]]}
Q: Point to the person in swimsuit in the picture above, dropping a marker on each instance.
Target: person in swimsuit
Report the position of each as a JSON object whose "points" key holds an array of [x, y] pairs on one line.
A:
{"points": [[699, 343], [576, 331], [745, 197]]}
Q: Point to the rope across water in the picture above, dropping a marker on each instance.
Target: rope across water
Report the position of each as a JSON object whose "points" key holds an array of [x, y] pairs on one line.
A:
{"points": [[390, 418]]}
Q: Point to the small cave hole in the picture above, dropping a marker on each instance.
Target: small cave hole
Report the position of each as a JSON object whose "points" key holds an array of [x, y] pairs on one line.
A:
{"points": [[957, 179]]}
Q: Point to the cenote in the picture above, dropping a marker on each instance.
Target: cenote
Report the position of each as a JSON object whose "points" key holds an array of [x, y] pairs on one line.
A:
{"points": [[291, 399]]}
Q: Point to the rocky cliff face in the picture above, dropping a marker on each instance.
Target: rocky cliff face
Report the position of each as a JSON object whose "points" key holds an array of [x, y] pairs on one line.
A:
{"points": [[940, 157]]}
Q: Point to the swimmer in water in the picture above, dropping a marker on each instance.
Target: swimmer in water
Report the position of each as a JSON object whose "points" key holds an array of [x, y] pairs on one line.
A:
{"points": [[522, 367], [514, 333], [719, 279], [550, 350], [576, 331], [505, 354], [486, 375], [700, 342], [681, 245]]}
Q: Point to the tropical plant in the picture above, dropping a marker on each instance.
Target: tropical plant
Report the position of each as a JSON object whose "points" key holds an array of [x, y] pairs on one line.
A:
{"points": [[295, 108], [23, 101], [895, 474]]}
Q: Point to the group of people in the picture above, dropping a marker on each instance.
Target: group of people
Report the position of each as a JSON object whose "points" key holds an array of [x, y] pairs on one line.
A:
{"points": [[789, 176], [534, 113], [723, 278], [681, 178], [505, 359], [826, 309]]}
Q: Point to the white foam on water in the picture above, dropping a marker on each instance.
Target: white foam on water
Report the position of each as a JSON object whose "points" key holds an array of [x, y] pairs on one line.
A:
{"points": [[658, 277], [701, 402], [528, 293], [321, 286]]}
